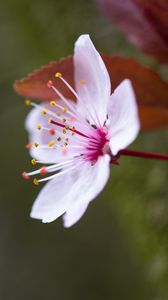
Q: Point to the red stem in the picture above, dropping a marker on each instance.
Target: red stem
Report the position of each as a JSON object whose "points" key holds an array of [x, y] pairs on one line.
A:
{"points": [[127, 152]]}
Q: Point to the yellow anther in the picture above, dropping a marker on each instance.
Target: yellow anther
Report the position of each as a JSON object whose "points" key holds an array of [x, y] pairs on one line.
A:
{"points": [[33, 161], [51, 143], [63, 120], [64, 110], [65, 144], [72, 133], [73, 128], [35, 181], [58, 75], [59, 139], [44, 111], [27, 102], [66, 126], [63, 130], [49, 120], [38, 127], [82, 81], [52, 103], [36, 145]]}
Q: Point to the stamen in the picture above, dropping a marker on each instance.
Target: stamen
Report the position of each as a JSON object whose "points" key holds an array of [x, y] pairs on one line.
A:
{"points": [[36, 144], [33, 161], [71, 129], [36, 181], [43, 171], [38, 127], [27, 102], [51, 143], [25, 175], [28, 146]]}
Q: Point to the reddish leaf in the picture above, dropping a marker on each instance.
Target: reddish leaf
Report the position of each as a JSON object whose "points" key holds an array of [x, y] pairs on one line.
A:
{"points": [[35, 84], [145, 23], [150, 89]]}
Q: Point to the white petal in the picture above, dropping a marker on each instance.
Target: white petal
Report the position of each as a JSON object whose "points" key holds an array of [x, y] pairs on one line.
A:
{"points": [[53, 199], [123, 117], [42, 137], [90, 183], [90, 67]]}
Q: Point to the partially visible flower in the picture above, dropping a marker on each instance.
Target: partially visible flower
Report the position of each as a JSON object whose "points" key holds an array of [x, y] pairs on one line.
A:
{"points": [[80, 140]]}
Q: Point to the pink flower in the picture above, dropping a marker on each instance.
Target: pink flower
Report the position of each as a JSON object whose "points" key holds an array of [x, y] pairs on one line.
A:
{"points": [[80, 140]]}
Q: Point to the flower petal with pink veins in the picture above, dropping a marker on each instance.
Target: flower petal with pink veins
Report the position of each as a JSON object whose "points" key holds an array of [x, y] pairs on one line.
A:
{"points": [[91, 80], [70, 193], [123, 120]]}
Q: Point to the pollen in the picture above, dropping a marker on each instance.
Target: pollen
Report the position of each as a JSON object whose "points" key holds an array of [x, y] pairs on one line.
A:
{"points": [[73, 128], [27, 102], [33, 161], [36, 145], [65, 144], [35, 181], [52, 103], [58, 75], [51, 143], [59, 139], [38, 127], [44, 111], [66, 126]]}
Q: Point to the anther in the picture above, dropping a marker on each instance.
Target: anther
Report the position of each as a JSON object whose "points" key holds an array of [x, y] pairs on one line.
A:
{"points": [[52, 131], [64, 110], [49, 120], [35, 181], [73, 128], [27, 102], [36, 145], [43, 171], [51, 143], [33, 161], [58, 75], [63, 120], [50, 84], [44, 111], [65, 144], [63, 130], [38, 127], [59, 139], [28, 146], [52, 103], [25, 175], [66, 126]]}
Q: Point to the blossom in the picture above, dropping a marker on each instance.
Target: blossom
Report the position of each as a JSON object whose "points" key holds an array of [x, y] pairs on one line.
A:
{"points": [[78, 141]]}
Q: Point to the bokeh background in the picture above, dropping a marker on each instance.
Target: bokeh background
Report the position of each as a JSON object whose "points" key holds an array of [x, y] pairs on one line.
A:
{"points": [[119, 248]]}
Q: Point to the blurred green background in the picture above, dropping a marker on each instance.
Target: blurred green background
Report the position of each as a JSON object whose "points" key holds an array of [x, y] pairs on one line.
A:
{"points": [[119, 248]]}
